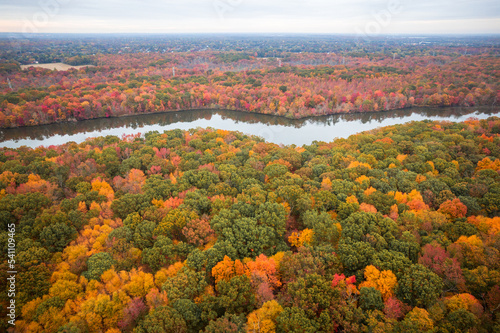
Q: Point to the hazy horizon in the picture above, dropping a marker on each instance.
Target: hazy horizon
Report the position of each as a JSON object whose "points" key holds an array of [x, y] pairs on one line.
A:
{"points": [[236, 34], [398, 17]]}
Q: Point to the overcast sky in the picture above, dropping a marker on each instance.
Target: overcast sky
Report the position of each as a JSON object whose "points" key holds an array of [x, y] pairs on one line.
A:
{"points": [[299, 16]]}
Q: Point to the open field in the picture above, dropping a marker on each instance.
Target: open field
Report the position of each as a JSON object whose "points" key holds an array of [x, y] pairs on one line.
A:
{"points": [[57, 66]]}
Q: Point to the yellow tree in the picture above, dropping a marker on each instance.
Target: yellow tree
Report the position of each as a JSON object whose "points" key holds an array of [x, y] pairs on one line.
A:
{"points": [[102, 312], [227, 269], [140, 283], [103, 188], [385, 281], [466, 302], [263, 319], [417, 320], [298, 239], [163, 274], [114, 281], [326, 184], [352, 199]]}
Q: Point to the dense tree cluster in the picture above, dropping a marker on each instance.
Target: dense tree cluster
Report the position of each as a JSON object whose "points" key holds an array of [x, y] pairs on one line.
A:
{"points": [[306, 84], [395, 230]]}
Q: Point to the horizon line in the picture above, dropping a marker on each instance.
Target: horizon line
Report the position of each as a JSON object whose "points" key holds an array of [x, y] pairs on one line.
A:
{"points": [[251, 33]]}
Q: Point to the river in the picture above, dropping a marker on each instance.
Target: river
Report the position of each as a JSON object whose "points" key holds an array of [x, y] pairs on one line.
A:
{"points": [[272, 128]]}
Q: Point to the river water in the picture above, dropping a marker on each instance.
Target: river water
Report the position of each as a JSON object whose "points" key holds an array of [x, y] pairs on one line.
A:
{"points": [[273, 129]]}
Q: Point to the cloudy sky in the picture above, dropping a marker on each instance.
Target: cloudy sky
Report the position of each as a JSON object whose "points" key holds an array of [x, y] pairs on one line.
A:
{"points": [[302, 16]]}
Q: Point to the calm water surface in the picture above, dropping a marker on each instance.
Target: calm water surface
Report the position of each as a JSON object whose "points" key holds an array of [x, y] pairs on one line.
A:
{"points": [[273, 129]]}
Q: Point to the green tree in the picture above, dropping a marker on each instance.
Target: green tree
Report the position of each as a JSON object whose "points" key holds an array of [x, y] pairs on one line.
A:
{"points": [[163, 319], [143, 236], [325, 200], [202, 179], [275, 170], [109, 158], [312, 293], [481, 279], [462, 320], [419, 286], [370, 228], [416, 321], [370, 299], [187, 284], [97, 264], [33, 256], [346, 209], [198, 202], [129, 203], [157, 188], [324, 227], [172, 224], [165, 252], [236, 296], [55, 237], [388, 260], [72, 327], [229, 323], [381, 201], [191, 314], [355, 256], [33, 283], [294, 320], [407, 245], [154, 258], [251, 236]]}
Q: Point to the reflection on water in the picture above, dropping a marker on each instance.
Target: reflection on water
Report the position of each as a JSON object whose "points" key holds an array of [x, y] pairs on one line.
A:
{"points": [[271, 128]]}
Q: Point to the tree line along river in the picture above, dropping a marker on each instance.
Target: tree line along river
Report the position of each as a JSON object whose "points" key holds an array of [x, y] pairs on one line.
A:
{"points": [[275, 129]]}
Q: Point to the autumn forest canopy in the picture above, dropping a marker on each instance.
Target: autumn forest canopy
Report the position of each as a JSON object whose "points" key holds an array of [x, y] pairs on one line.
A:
{"points": [[210, 230], [215, 231], [292, 77]]}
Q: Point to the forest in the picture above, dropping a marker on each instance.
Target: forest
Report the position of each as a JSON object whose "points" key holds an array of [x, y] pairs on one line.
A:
{"points": [[392, 230], [136, 76]]}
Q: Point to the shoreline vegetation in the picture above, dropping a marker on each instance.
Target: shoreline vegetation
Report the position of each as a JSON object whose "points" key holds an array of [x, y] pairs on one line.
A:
{"points": [[269, 126], [129, 84], [215, 108]]}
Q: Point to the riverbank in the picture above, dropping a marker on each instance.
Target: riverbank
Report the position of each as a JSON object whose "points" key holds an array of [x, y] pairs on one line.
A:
{"points": [[286, 116], [272, 128]]}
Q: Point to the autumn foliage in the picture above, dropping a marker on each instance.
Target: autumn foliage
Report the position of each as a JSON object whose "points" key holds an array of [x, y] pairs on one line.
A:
{"points": [[125, 84], [393, 230]]}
